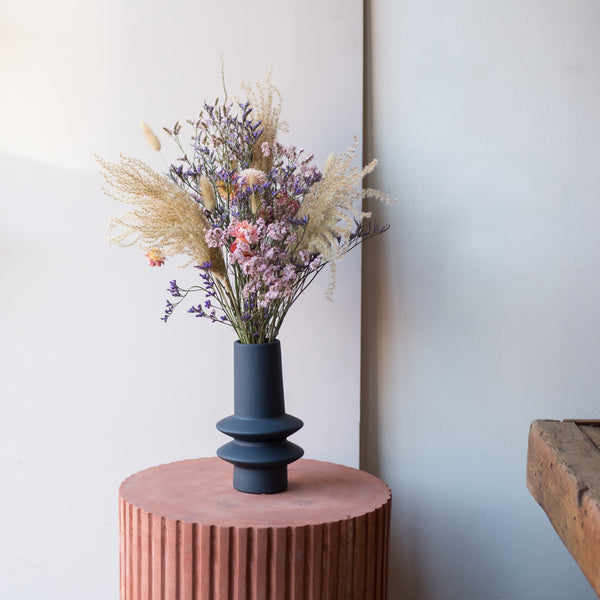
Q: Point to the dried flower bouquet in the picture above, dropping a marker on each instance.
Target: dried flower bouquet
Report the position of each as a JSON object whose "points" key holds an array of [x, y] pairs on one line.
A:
{"points": [[257, 219]]}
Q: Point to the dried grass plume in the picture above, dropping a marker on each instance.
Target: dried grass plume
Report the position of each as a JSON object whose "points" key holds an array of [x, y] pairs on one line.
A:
{"points": [[150, 136], [331, 208], [163, 216], [208, 194], [266, 102]]}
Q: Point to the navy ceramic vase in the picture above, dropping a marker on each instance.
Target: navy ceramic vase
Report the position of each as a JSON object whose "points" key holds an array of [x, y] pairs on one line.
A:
{"points": [[259, 452]]}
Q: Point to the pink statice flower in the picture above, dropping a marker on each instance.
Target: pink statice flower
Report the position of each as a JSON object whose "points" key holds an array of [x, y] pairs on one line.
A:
{"points": [[215, 237], [269, 274], [278, 230]]}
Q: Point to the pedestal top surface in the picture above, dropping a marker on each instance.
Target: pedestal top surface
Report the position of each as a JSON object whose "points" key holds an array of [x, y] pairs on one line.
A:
{"points": [[201, 491]]}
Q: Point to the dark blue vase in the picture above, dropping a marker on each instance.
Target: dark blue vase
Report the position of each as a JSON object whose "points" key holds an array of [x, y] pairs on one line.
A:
{"points": [[259, 452]]}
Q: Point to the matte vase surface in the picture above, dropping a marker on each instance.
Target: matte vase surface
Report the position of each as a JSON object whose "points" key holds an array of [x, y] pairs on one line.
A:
{"points": [[260, 451]]}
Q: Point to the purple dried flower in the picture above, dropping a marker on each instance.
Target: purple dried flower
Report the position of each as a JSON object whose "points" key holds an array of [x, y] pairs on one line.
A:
{"points": [[174, 289], [168, 311], [197, 311]]}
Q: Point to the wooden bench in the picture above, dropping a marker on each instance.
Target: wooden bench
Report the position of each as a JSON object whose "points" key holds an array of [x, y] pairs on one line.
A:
{"points": [[563, 475]]}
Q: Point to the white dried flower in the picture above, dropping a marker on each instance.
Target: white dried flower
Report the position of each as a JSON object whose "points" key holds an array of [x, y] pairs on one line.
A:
{"points": [[251, 177]]}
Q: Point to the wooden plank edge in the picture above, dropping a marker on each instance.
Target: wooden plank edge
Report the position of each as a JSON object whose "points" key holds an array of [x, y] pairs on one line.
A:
{"points": [[554, 482]]}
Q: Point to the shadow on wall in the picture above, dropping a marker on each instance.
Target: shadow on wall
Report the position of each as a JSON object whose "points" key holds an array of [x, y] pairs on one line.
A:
{"points": [[406, 579]]}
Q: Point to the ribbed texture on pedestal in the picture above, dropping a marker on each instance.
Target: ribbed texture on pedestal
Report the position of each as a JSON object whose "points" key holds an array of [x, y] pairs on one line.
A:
{"points": [[164, 559], [186, 534]]}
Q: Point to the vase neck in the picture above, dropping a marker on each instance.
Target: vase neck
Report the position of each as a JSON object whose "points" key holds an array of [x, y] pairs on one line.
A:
{"points": [[258, 380]]}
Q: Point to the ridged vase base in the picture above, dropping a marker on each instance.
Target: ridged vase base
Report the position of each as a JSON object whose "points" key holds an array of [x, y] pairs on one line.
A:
{"points": [[259, 451]]}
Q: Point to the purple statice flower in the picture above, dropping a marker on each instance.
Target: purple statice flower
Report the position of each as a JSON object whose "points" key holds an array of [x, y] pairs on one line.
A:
{"points": [[198, 311], [168, 311], [174, 289]]}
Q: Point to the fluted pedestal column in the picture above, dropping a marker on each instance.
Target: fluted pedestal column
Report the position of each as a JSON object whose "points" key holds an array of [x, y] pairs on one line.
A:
{"points": [[186, 534]]}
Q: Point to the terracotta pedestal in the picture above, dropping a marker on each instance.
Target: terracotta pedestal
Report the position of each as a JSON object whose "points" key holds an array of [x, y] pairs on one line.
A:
{"points": [[186, 534]]}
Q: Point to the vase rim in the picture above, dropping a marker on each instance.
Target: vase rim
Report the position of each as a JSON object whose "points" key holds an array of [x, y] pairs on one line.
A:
{"points": [[274, 342]]}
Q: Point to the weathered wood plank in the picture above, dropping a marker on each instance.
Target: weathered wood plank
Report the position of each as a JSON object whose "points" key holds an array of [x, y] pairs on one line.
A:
{"points": [[563, 475], [592, 432]]}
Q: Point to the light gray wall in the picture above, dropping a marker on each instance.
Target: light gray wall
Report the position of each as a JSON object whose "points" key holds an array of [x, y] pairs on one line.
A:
{"points": [[481, 305]]}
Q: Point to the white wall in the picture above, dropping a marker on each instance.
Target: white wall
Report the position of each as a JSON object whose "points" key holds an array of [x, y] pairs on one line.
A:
{"points": [[481, 304], [93, 386]]}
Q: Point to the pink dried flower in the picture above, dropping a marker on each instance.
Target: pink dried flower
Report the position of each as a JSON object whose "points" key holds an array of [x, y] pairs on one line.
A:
{"points": [[156, 258], [277, 230], [215, 237], [239, 248], [245, 231]]}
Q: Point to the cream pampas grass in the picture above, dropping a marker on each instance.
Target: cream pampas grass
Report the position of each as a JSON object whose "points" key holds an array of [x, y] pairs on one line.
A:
{"points": [[331, 209], [164, 217], [265, 100], [330, 206]]}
